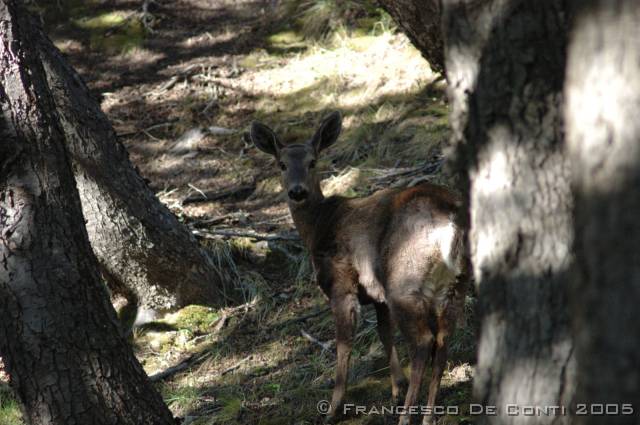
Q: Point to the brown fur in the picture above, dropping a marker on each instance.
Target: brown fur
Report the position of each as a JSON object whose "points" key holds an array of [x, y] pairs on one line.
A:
{"points": [[399, 249]]}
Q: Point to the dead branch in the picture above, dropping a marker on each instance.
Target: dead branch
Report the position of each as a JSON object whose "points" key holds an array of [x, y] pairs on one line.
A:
{"points": [[217, 234], [183, 365], [236, 366], [221, 194], [219, 219], [147, 129]]}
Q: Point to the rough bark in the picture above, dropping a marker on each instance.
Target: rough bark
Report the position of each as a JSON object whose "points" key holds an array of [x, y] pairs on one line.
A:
{"points": [[603, 131], [144, 252], [59, 336], [505, 64], [421, 22]]}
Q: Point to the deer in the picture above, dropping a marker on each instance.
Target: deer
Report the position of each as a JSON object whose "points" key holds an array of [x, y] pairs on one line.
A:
{"points": [[398, 249]]}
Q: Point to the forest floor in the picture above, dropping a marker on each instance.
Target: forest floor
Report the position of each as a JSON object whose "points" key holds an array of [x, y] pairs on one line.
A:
{"points": [[181, 92]]}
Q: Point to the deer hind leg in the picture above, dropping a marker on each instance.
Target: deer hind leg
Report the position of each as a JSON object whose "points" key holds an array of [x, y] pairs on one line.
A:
{"points": [[345, 312], [411, 314], [439, 363], [446, 323], [385, 332]]}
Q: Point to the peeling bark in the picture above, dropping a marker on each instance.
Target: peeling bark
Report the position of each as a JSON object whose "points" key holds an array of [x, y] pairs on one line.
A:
{"points": [[59, 337], [505, 65], [603, 131]]}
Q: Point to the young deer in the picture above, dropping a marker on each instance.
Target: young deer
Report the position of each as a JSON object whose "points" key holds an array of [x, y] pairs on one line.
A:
{"points": [[399, 249]]}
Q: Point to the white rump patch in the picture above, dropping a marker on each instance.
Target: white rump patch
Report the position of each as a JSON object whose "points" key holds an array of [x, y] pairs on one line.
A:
{"points": [[443, 237]]}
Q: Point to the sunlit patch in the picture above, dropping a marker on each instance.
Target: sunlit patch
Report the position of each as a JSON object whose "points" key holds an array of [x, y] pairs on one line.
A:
{"points": [[495, 175], [443, 237], [492, 185], [103, 21], [348, 77], [599, 95]]}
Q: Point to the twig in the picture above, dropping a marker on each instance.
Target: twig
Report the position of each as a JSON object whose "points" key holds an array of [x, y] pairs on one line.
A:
{"points": [[326, 346], [169, 84], [217, 220], [197, 190], [305, 317], [236, 366], [214, 196], [144, 130], [244, 307]]}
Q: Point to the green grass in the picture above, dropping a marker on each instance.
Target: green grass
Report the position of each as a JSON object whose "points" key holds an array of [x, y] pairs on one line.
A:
{"points": [[181, 399], [257, 368], [10, 413], [195, 318]]}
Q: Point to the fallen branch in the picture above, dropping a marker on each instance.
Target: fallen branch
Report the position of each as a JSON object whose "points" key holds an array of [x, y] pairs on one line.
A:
{"points": [[183, 365], [146, 130], [236, 366], [216, 234]]}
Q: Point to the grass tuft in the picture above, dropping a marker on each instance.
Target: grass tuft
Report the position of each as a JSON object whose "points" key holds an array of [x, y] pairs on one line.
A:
{"points": [[10, 413]]}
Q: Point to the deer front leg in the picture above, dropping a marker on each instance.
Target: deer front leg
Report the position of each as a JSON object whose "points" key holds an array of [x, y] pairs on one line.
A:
{"points": [[385, 332], [345, 308]]}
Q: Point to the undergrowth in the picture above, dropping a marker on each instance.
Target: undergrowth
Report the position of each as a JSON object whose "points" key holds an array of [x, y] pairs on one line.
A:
{"points": [[251, 363]]}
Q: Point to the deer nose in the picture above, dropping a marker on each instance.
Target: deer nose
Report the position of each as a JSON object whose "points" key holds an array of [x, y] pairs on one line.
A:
{"points": [[298, 193]]}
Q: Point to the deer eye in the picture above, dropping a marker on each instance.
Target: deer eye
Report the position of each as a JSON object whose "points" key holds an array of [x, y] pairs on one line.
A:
{"points": [[282, 166], [312, 164]]}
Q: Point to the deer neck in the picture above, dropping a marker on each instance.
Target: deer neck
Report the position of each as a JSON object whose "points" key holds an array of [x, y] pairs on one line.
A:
{"points": [[309, 218]]}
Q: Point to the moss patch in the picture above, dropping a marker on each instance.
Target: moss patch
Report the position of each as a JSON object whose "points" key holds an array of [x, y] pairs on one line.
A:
{"points": [[194, 318]]}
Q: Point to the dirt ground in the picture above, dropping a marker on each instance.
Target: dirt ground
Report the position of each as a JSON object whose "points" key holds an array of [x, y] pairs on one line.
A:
{"points": [[181, 84]]}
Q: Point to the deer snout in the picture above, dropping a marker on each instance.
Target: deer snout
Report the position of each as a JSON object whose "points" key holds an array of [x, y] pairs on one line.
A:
{"points": [[298, 193]]}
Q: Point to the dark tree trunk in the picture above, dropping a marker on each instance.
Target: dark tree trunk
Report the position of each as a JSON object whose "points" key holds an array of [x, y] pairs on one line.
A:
{"points": [[144, 252], [59, 336], [505, 65], [421, 21], [603, 133]]}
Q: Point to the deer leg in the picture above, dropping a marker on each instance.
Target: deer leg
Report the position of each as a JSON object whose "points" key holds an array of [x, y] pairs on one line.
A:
{"points": [[445, 322], [411, 316], [345, 313], [439, 363], [385, 332]]}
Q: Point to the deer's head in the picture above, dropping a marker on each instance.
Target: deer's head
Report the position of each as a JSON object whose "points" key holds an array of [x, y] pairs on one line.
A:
{"points": [[297, 161]]}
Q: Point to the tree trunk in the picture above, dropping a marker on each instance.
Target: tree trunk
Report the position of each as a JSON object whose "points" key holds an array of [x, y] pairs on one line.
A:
{"points": [[505, 64], [603, 131], [421, 22], [59, 336], [144, 252]]}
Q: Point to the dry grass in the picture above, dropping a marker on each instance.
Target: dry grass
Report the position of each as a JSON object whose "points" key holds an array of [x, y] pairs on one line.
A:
{"points": [[254, 366]]}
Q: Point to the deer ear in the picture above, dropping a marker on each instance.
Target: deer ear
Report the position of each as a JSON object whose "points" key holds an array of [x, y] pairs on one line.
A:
{"points": [[328, 132], [264, 138]]}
